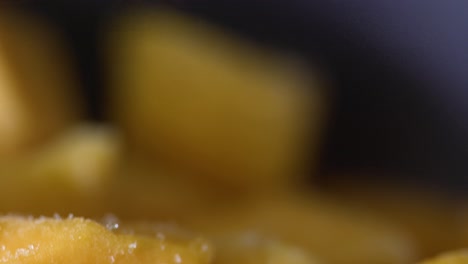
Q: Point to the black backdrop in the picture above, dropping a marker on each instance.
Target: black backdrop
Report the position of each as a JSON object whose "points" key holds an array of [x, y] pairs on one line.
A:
{"points": [[400, 70]]}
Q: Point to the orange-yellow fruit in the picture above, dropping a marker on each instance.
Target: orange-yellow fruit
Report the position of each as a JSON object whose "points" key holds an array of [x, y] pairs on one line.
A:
{"points": [[250, 248], [70, 174], [239, 248], [207, 103], [78, 240], [328, 231]]}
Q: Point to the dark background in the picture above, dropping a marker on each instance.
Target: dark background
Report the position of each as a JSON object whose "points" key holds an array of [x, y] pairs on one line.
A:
{"points": [[399, 69]]}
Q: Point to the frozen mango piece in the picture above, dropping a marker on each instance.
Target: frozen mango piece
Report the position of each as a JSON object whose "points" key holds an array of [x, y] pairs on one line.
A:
{"points": [[321, 227], [37, 88], [68, 175], [251, 248], [238, 248], [458, 257], [330, 232], [429, 218], [78, 240], [199, 100]]}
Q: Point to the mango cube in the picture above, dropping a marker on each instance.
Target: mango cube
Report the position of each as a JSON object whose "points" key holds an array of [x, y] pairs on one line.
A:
{"points": [[83, 241], [204, 102]]}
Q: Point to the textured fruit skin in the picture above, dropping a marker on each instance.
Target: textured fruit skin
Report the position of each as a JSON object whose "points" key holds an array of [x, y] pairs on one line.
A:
{"points": [[203, 101], [78, 240]]}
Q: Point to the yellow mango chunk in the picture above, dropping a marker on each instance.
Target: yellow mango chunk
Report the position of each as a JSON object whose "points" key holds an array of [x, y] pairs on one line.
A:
{"points": [[68, 175], [238, 248], [207, 103], [37, 96], [458, 257], [330, 232], [316, 224], [78, 240], [249, 248]]}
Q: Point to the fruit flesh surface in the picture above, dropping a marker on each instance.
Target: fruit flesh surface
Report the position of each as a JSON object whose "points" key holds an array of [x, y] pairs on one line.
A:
{"points": [[77, 240]]}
